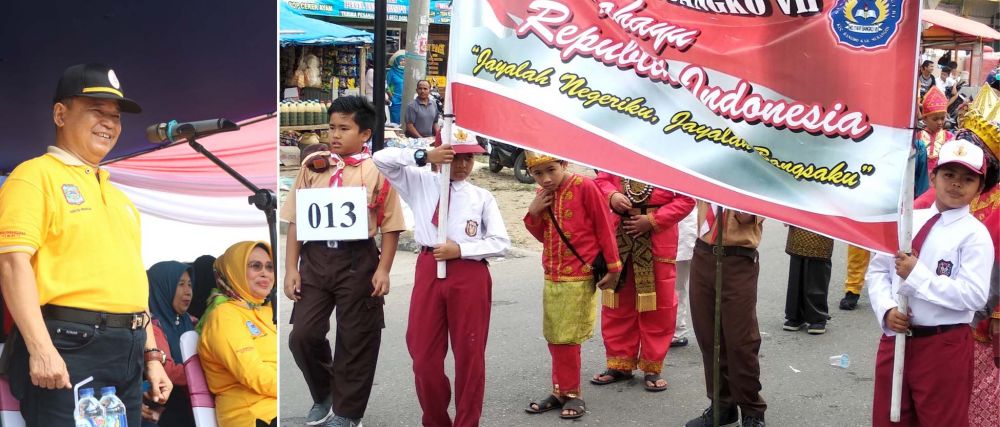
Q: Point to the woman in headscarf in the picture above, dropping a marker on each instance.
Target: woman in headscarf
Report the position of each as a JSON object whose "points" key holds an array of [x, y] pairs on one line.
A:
{"points": [[203, 279], [394, 79], [170, 293], [238, 344]]}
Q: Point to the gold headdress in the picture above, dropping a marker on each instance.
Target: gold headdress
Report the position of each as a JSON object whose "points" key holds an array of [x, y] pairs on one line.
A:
{"points": [[983, 118], [532, 159]]}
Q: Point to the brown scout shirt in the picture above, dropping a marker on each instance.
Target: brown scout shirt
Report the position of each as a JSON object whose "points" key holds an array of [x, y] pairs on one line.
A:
{"points": [[365, 174]]}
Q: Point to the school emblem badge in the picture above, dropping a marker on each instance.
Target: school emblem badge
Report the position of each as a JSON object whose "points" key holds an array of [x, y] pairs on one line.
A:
{"points": [[944, 268], [254, 330], [72, 194], [471, 228], [866, 24]]}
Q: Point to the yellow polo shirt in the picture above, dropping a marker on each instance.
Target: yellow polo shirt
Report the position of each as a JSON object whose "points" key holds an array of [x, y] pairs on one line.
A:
{"points": [[82, 233], [238, 348]]}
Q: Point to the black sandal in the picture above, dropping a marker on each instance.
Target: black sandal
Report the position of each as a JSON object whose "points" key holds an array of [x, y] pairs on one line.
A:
{"points": [[575, 405], [615, 375], [545, 405], [653, 378]]}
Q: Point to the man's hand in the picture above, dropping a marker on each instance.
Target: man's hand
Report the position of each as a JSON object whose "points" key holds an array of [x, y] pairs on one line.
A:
{"points": [[620, 203], [447, 251], [896, 321], [609, 281], [159, 385], [904, 264], [293, 284], [151, 414], [543, 199], [441, 154], [48, 370], [637, 225], [380, 283]]}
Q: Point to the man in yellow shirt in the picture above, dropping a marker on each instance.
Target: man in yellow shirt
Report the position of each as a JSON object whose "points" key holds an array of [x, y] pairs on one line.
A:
{"points": [[70, 263]]}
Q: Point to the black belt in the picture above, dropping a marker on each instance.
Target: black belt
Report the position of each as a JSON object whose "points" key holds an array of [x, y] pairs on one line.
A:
{"points": [[426, 249], [926, 331], [725, 250], [340, 244], [131, 321]]}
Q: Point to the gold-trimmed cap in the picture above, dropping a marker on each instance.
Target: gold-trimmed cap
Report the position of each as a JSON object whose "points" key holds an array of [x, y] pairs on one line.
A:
{"points": [[532, 159], [93, 81]]}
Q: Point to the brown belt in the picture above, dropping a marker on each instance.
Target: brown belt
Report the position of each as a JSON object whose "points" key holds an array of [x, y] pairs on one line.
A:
{"points": [[725, 250]]}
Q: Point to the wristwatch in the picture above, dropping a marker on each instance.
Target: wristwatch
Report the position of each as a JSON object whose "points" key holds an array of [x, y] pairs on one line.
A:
{"points": [[420, 156], [155, 355]]}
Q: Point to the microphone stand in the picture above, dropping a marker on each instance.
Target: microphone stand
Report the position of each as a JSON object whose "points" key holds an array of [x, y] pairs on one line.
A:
{"points": [[262, 198]]}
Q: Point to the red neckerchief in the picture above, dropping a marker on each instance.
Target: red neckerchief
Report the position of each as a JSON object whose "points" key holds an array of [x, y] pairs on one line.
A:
{"points": [[340, 163]]}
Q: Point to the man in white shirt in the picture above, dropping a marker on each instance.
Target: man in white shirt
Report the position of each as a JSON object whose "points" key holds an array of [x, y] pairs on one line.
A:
{"points": [[946, 281], [459, 305]]}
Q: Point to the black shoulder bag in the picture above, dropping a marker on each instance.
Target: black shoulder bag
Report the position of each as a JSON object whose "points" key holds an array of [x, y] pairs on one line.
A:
{"points": [[599, 267]]}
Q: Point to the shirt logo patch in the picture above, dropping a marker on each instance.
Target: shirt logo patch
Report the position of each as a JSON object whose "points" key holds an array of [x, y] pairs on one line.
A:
{"points": [[254, 330], [471, 228], [72, 194], [944, 268]]}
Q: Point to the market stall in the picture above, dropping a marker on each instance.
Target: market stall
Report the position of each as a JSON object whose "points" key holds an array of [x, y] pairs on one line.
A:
{"points": [[943, 30]]}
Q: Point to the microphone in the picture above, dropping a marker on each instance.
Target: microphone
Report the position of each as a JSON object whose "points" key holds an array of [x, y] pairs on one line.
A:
{"points": [[172, 131]]}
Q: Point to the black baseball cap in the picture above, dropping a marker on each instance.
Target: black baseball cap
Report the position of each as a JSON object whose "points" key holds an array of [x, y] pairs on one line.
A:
{"points": [[93, 81]]}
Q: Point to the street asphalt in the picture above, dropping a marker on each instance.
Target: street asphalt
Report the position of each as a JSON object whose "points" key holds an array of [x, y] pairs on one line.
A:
{"points": [[799, 384]]}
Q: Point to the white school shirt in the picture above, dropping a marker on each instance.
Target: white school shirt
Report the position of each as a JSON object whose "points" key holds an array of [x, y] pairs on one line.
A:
{"points": [[951, 279], [474, 220]]}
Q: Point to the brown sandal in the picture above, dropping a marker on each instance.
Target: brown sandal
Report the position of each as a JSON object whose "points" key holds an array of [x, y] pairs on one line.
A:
{"points": [[653, 378], [576, 405], [545, 405], [615, 375]]}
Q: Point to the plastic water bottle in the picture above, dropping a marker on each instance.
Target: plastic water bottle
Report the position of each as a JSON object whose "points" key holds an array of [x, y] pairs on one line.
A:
{"points": [[88, 412], [840, 361], [114, 408]]}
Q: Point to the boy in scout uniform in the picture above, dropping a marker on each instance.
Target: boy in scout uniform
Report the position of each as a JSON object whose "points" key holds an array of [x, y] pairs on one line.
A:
{"points": [[70, 263], [351, 276]]}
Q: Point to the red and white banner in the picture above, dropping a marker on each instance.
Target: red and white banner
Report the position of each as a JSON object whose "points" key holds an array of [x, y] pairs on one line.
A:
{"points": [[797, 110]]}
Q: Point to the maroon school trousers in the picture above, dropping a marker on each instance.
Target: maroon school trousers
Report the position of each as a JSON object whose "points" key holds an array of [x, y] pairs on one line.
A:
{"points": [[457, 307], [937, 380]]}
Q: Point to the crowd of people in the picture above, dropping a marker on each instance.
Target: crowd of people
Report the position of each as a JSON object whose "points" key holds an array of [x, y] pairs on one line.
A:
{"points": [[650, 254]]}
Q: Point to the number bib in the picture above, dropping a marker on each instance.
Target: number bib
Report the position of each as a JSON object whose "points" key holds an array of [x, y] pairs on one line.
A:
{"points": [[337, 213]]}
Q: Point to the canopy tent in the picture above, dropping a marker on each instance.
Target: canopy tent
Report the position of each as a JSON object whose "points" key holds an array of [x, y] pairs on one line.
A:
{"points": [[191, 207], [944, 30], [946, 27], [297, 29], [216, 59], [396, 10]]}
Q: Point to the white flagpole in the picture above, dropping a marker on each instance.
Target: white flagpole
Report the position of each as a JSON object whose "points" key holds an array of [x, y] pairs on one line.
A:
{"points": [[905, 245], [446, 138]]}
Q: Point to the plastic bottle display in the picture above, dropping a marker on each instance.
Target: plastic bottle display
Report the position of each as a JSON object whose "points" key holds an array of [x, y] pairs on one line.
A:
{"points": [[114, 408], [88, 412]]}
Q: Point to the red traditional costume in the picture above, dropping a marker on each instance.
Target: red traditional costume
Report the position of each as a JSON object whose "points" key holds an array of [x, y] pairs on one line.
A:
{"points": [[570, 296], [934, 102], [638, 320]]}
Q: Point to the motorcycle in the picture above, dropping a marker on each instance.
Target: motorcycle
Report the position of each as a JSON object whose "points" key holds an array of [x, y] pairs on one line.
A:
{"points": [[505, 155]]}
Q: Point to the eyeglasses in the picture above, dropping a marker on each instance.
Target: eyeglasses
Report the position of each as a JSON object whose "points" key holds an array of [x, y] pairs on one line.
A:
{"points": [[257, 266]]}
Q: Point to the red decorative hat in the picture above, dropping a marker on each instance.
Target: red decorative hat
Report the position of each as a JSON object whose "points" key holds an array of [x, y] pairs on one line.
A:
{"points": [[935, 102]]}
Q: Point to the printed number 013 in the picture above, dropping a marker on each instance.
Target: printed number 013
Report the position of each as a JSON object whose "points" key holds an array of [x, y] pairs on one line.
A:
{"points": [[316, 215]]}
